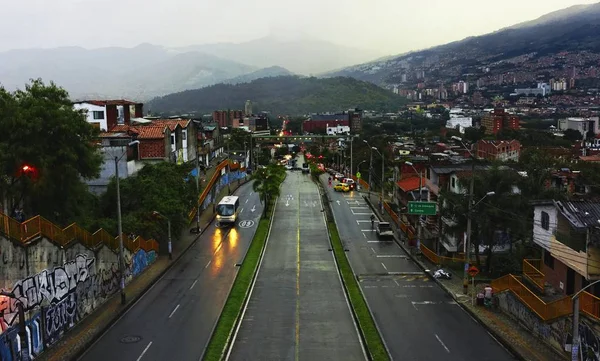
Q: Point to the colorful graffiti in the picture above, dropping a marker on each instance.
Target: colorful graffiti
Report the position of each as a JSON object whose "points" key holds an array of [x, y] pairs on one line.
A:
{"points": [[59, 298], [590, 344]]}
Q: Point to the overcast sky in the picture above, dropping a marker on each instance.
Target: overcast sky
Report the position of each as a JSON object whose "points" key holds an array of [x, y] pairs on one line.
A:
{"points": [[389, 26]]}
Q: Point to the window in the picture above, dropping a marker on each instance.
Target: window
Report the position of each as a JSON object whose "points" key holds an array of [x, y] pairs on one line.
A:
{"points": [[545, 221], [98, 114], [184, 135], [453, 182]]}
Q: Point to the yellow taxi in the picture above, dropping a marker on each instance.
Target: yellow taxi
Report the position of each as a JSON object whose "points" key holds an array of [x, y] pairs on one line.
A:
{"points": [[342, 187]]}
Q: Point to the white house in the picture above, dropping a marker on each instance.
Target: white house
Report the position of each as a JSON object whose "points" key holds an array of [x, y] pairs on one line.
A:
{"points": [[105, 114], [338, 129]]}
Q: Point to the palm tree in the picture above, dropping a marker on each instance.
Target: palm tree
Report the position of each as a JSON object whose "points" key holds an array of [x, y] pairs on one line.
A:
{"points": [[266, 183]]}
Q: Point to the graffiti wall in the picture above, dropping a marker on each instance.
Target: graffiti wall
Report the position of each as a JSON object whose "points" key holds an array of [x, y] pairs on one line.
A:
{"points": [[557, 333], [220, 184], [56, 288]]}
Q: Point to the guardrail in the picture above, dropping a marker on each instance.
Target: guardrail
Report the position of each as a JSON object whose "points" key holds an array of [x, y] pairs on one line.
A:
{"points": [[38, 226]]}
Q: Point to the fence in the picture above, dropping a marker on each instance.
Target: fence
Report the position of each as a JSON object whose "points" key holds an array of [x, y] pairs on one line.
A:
{"points": [[38, 226], [531, 271]]}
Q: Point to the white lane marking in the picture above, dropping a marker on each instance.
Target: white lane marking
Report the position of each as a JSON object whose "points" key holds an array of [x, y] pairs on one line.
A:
{"points": [[246, 201], [384, 266], [364, 235], [367, 230], [396, 282], [372, 241], [373, 250], [359, 207], [361, 220], [241, 210], [251, 193], [193, 284], [391, 256], [173, 312], [208, 264], [145, 350], [362, 214], [439, 339]]}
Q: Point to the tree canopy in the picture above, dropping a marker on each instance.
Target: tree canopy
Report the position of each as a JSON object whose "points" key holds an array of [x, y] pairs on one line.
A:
{"points": [[47, 148]]}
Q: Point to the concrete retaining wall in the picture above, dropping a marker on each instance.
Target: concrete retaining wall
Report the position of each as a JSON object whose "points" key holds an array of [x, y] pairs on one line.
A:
{"points": [[58, 287]]}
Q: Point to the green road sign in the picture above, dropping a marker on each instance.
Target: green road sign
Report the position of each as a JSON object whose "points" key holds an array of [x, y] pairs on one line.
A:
{"points": [[422, 208], [358, 175]]}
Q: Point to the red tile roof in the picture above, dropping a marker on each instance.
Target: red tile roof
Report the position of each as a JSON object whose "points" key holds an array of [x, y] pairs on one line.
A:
{"points": [[109, 102], [151, 131], [172, 123], [410, 184]]}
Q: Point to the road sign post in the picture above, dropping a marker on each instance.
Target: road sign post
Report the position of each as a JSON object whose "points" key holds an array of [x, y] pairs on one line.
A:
{"points": [[422, 208], [473, 271]]}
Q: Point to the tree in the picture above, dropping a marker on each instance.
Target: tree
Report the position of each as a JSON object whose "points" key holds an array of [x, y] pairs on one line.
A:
{"points": [[266, 183], [572, 135], [41, 129]]}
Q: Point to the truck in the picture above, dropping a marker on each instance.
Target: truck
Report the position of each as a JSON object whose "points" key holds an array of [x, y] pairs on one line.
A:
{"points": [[384, 230]]}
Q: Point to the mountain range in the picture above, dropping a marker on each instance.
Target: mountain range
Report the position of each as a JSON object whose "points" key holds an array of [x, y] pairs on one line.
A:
{"points": [[289, 95], [147, 71], [573, 29]]}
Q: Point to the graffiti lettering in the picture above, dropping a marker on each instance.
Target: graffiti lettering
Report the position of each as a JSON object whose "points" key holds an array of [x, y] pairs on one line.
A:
{"points": [[58, 318], [9, 343]]}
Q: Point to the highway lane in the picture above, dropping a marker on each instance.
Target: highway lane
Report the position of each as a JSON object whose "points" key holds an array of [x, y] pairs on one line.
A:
{"points": [[418, 319], [175, 318], [297, 308]]}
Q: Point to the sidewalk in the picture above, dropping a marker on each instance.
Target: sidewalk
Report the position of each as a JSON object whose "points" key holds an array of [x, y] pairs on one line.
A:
{"points": [[85, 333], [505, 329]]}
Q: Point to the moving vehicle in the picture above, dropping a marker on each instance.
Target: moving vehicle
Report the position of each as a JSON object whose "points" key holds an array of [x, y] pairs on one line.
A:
{"points": [[341, 187], [384, 230], [339, 176], [228, 209], [350, 182]]}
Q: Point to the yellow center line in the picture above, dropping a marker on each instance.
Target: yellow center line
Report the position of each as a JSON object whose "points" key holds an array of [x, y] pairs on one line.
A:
{"points": [[297, 353]]}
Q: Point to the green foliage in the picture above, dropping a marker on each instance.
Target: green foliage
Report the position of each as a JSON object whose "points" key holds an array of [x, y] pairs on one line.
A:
{"points": [[295, 126], [373, 340], [156, 187], [41, 129], [266, 183], [289, 95], [236, 139]]}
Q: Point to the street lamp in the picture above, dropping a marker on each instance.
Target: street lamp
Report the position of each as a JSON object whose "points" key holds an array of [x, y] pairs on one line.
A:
{"points": [[120, 224], [155, 213], [24, 353], [382, 176], [419, 226], [370, 164]]}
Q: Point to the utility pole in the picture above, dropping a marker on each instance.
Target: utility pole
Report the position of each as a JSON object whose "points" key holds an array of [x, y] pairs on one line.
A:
{"points": [[469, 221], [198, 192], [120, 230], [351, 157]]}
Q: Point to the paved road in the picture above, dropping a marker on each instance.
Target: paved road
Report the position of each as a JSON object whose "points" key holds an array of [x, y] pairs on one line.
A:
{"points": [[297, 309], [175, 318], [418, 320]]}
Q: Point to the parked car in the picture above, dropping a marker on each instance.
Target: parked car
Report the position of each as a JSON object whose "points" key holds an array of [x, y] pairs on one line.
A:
{"points": [[384, 230]]}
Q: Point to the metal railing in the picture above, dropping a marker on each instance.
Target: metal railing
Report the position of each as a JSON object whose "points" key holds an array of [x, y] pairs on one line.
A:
{"points": [[531, 271], [40, 227], [207, 188]]}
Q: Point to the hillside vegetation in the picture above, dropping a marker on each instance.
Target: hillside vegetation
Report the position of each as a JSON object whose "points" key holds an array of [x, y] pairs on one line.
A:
{"points": [[290, 95]]}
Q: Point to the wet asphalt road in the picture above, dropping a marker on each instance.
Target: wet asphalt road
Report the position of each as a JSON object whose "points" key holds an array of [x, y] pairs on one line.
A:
{"points": [[175, 318], [298, 309], [418, 320]]}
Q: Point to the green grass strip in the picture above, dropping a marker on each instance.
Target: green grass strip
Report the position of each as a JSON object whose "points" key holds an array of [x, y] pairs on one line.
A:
{"points": [[235, 301], [374, 342]]}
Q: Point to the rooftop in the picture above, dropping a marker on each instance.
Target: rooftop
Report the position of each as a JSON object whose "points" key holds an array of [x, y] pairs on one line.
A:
{"points": [[108, 102], [410, 184], [581, 214]]}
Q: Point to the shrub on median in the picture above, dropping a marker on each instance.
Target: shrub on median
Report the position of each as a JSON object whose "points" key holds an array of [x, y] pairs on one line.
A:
{"points": [[374, 342]]}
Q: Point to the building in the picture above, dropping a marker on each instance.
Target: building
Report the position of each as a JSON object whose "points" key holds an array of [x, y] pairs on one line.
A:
{"points": [[582, 125], [498, 120], [542, 89], [460, 123], [105, 114], [257, 122], [355, 118], [318, 123], [502, 150], [338, 129], [248, 108], [568, 236], [225, 118]]}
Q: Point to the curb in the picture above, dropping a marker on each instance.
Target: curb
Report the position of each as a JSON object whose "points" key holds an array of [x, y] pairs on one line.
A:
{"points": [[145, 290], [507, 345]]}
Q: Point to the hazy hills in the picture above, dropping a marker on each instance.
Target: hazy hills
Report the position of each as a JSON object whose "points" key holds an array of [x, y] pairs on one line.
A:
{"points": [[572, 29], [146, 71], [290, 95]]}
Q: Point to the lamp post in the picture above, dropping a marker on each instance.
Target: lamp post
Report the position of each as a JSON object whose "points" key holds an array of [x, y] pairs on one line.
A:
{"points": [[120, 225], [351, 156], [24, 352], [382, 177], [370, 164], [198, 193], [170, 245]]}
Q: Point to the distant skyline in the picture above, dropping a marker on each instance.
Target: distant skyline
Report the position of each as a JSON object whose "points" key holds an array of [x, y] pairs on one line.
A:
{"points": [[386, 26]]}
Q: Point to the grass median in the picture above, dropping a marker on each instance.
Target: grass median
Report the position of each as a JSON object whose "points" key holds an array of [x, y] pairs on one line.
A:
{"points": [[374, 342], [237, 296]]}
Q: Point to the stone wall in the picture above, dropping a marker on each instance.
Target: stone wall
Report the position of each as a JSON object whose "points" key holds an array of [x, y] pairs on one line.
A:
{"points": [[57, 286]]}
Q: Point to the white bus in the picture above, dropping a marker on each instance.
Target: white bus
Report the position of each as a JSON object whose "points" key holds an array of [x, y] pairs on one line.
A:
{"points": [[228, 209]]}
